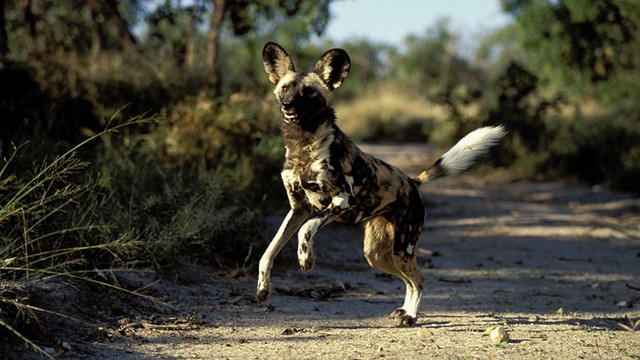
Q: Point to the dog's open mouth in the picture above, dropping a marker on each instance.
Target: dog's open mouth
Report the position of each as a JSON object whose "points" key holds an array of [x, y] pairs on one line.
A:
{"points": [[290, 115]]}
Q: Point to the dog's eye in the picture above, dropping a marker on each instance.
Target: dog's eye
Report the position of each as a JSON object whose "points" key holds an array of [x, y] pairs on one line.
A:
{"points": [[284, 87], [308, 91]]}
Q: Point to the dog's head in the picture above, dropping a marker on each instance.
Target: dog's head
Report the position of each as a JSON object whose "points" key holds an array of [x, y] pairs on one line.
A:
{"points": [[301, 95]]}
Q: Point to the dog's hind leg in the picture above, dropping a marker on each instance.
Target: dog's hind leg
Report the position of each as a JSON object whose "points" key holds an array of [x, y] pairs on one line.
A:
{"points": [[382, 252], [405, 261], [292, 222], [378, 245]]}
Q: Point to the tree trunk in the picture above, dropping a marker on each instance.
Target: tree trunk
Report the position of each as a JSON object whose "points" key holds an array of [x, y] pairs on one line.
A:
{"points": [[189, 45], [189, 61], [114, 23], [4, 40], [96, 45], [213, 41], [32, 15], [30, 18]]}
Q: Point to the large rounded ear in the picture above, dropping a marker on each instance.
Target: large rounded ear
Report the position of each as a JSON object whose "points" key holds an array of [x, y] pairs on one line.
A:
{"points": [[277, 63], [333, 67]]}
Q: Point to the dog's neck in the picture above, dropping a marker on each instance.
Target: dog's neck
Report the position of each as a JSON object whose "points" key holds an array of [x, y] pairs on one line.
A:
{"points": [[301, 138]]}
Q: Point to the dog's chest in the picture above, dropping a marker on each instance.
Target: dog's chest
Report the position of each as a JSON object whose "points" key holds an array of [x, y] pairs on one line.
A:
{"points": [[328, 169], [302, 189], [308, 173]]}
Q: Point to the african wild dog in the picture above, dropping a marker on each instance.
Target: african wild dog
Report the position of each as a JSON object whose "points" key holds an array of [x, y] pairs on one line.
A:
{"points": [[327, 178]]}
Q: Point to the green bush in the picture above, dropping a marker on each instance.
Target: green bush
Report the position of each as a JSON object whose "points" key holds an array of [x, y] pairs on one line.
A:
{"points": [[238, 136], [191, 185], [178, 216], [598, 150]]}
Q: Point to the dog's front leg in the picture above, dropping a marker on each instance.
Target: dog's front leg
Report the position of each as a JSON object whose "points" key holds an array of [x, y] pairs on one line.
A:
{"points": [[306, 257], [339, 205], [292, 222]]}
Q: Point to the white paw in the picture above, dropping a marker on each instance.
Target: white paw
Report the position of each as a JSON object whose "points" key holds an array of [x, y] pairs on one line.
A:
{"points": [[263, 293], [306, 260]]}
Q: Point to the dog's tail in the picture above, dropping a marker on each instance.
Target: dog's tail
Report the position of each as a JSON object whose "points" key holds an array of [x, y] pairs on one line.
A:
{"points": [[463, 154]]}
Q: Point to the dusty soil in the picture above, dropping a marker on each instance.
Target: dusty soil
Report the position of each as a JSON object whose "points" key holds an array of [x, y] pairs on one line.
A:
{"points": [[557, 265]]}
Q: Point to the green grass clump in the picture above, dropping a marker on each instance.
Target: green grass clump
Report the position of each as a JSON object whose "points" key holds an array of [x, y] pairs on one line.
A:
{"points": [[49, 227], [179, 218]]}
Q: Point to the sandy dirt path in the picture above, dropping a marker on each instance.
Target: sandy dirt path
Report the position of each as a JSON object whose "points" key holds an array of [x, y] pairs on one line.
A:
{"points": [[558, 266]]}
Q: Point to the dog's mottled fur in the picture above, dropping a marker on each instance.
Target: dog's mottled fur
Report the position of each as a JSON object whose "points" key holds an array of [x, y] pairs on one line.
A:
{"points": [[329, 179]]}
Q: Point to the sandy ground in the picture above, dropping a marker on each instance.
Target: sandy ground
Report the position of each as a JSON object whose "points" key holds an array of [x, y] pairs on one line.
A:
{"points": [[558, 266]]}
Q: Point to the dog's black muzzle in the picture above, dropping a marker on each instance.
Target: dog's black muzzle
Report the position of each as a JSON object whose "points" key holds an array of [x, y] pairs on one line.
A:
{"points": [[300, 107], [289, 110]]}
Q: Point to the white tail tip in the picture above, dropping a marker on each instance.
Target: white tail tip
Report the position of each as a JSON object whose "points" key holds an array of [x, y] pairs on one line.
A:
{"points": [[464, 153]]}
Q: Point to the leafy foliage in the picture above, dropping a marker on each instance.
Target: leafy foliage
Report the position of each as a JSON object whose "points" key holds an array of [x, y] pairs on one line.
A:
{"points": [[577, 45]]}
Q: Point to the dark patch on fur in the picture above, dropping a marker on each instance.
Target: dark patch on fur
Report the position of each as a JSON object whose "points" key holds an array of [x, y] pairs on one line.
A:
{"points": [[436, 170]]}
